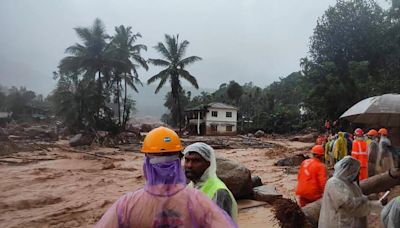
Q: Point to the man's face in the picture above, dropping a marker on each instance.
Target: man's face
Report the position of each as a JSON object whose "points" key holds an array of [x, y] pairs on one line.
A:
{"points": [[195, 165]]}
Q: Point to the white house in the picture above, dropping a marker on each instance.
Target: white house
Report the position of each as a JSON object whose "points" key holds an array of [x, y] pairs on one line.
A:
{"points": [[212, 119]]}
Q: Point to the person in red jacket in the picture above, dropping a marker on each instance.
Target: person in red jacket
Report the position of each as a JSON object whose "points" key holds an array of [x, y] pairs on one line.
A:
{"points": [[312, 177], [359, 152]]}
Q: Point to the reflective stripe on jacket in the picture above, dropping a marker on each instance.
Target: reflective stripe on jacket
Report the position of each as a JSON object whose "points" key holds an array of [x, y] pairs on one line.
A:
{"points": [[360, 153]]}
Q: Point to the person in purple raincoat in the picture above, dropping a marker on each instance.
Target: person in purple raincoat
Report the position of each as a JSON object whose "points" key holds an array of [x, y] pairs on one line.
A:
{"points": [[165, 200]]}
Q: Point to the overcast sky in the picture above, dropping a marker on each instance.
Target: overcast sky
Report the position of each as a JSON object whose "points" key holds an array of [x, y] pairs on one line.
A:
{"points": [[248, 40]]}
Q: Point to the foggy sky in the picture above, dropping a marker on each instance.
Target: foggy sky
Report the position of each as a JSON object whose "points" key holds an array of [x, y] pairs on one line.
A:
{"points": [[248, 40]]}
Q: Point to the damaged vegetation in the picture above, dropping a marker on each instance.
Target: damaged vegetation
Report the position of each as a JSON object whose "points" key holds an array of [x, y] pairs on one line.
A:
{"points": [[289, 214]]}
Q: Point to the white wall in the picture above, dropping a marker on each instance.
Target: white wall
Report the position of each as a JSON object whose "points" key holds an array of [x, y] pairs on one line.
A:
{"points": [[221, 115], [222, 128], [221, 120]]}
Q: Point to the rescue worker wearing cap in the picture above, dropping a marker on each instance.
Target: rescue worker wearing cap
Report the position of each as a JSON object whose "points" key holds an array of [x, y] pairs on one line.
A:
{"points": [[343, 203], [385, 156], [372, 149], [200, 167], [359, 152], [312, 177], [165, 200]]}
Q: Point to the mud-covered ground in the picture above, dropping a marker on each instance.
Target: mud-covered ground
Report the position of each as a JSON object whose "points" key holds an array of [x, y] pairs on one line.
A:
{"points": [[66, 187]]}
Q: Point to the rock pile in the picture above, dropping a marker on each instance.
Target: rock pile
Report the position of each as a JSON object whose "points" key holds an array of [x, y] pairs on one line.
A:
{"points": [[259, 134], [81, 140]]}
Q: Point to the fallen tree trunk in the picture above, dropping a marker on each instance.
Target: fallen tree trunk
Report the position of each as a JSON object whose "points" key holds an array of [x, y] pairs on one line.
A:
{"points": [[381, 182], [374, 184]]}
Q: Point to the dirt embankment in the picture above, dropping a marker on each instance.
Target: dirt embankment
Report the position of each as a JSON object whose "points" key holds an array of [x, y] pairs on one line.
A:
{"points": [[65, 187]]}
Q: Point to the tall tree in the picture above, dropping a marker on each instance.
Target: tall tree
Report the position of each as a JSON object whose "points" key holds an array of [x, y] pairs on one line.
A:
{"points": [[346, 57], [234, 91], [90, 58], [129, 59], [174, 60], [174, 112]]}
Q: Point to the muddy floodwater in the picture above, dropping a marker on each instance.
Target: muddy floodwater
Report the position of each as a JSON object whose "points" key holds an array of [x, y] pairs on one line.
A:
{"points": [[68, 187]]}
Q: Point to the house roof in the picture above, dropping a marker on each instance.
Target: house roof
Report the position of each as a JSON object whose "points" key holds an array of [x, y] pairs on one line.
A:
{"points": [[221, 106], [217, 105], [197, 108]]}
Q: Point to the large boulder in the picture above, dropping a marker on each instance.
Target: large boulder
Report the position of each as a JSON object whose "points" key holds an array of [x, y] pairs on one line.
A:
{"points": [[308, 138], [256, 180], [133, 128], [266, 193], [236, 177], [292, 161], [259, 133], [81, 140]]}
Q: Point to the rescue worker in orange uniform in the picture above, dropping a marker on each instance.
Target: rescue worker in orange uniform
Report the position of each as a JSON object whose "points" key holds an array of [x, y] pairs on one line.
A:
{"points": [[312, 177], [359, 152]]}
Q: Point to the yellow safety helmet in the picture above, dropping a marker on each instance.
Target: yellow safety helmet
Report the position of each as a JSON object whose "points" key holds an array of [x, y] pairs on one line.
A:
{"points": [[161, 140]]}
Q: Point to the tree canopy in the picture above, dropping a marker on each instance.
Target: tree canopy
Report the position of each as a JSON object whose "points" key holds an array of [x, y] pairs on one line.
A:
{"points": [[92, 78], [174, 61]]}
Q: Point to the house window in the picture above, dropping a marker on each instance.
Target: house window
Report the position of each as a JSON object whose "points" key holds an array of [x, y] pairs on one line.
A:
{"points": [[214, 113], [228, 114], [213, 127], [229, 128]]}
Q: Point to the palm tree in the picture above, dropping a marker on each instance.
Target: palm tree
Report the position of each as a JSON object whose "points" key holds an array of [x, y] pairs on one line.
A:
{"points": [[174, 61], [89, 58], [129, 59]]}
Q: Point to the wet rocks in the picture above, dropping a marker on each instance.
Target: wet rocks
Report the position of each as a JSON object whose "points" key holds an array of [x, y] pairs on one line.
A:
{"points": [[266, 193], [81, 140], [236, 177], [292, 161], [259, 134], [256, 181], [305, 138]]}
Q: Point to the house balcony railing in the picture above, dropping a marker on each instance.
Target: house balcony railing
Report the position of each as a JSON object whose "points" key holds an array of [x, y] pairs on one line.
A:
{"points": [[195, 121]]}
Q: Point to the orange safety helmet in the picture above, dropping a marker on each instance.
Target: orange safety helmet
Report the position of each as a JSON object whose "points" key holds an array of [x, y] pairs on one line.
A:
{"points": [[161, 140], [372, 132], [383, 131], [358, 132], [318, 149]]}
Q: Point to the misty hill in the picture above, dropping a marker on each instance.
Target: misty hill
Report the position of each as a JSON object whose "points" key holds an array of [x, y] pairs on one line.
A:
{"points": [[150, 104]]}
